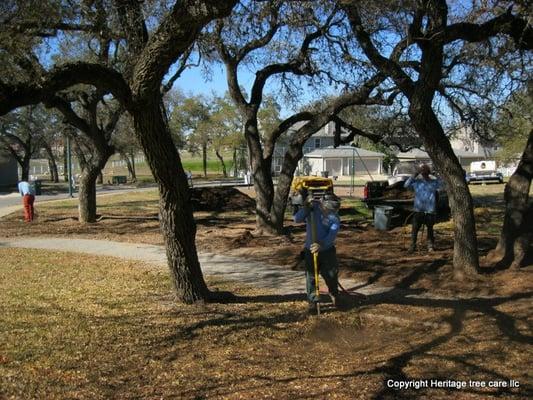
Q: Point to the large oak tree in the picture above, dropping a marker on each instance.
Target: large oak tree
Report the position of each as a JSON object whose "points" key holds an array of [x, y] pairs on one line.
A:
{"points": [[152, 50], [427, 30]]}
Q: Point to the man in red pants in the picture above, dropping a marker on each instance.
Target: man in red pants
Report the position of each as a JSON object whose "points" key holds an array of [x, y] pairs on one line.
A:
{"points": [[28, 197]]}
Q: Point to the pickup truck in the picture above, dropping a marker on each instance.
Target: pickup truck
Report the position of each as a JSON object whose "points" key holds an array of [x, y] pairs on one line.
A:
{"points": [[483, 171], [392, 193]]}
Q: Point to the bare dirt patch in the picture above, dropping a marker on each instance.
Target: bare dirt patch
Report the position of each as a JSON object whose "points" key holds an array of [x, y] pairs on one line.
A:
{"points": [[220, 199]]}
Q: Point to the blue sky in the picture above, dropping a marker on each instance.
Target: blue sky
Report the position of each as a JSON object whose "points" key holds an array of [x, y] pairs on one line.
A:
{"points": [[193, 81]]}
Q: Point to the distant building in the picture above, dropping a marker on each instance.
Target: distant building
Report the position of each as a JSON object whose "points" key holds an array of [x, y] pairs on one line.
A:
{"points": [[8, 171], [342, 161], [420, 156], [464, 140], [321, 139]]}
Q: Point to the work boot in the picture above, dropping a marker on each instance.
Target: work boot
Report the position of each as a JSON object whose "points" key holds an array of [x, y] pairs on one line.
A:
{"points": [[334, 299], [312, 309]]}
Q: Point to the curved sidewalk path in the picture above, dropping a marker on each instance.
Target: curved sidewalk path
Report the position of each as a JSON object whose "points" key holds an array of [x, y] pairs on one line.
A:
{"points": [[279, 279]]}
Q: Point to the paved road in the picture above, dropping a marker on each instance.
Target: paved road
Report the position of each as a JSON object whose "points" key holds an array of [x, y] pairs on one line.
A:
{"points": [[13, 199]]}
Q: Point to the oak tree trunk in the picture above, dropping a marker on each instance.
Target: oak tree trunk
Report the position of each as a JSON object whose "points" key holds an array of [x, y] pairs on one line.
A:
{"points": [[91, 171], [25, 169], [176, 219], [522, 243], [234, 162], [517, 225], [263, 184], [224, 171], [65, 162], [87, 194], [281, 195], [204, 158], [130, 166], [52, 165], [465, 252]]}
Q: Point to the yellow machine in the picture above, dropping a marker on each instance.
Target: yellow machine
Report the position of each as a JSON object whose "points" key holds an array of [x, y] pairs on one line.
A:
{"points": [[317, 187]]}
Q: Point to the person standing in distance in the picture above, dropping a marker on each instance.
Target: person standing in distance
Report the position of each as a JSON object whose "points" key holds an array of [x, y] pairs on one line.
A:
{"points": [[425, 189], [28, 197]]}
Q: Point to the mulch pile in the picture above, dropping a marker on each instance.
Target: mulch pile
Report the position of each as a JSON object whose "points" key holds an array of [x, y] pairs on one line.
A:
{"points": [[220, 199], [397, 191]]}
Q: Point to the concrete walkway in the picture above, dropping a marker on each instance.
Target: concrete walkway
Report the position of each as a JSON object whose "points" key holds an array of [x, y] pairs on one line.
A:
{"points": [[279, 279]]}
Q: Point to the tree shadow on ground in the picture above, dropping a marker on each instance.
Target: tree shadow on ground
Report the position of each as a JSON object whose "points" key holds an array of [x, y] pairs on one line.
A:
{"points": [[489, 200], [219, 220], [402, 294], [394, 368]]}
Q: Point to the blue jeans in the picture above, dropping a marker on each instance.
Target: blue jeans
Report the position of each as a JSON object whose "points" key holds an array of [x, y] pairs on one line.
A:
{"points": [[328, 268]]}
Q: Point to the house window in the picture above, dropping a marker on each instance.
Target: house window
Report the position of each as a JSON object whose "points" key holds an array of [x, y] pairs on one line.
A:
{"points": [[317, 143]]}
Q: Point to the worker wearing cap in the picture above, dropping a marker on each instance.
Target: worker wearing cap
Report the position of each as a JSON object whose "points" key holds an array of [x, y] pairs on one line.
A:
{"points": [[425, 204], [28, 197], [327, 226]]}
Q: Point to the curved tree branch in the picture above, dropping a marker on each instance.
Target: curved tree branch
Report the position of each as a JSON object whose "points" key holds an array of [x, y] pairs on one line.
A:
{"points": [[508, 24], [106, 79]]}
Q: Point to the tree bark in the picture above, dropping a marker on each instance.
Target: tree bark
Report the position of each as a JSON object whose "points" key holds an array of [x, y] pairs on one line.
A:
{"points": [[290, 162], [262, 176], [52, 165], [515, 234], [177, 223], [25, 169], [91, 169], [427, 125], [133, 173], [65, 160], [224, 171], [87, 194], [129, 165], [204, 158], [522, 243], [235, 162]]}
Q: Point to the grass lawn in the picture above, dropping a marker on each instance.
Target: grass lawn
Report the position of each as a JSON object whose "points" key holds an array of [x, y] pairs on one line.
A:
{"points": [[84, 327]]}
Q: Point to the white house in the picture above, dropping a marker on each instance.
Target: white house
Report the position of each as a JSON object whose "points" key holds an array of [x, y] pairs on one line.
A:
{"points": [[464, 157], [340, 161], [321, 139]]}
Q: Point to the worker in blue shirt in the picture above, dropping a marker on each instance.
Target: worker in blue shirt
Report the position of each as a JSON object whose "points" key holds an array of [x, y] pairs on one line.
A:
{"points": [[28, 197], [425, 204], [327, 226]]}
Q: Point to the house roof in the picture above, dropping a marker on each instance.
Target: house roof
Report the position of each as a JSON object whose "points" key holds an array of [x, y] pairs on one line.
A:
{"points": [[416, 154], [343, 151], [327, 130]]}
